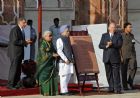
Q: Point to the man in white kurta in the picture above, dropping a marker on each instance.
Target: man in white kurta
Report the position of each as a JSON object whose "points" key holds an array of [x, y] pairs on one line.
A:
{"points": [[65, 63]]}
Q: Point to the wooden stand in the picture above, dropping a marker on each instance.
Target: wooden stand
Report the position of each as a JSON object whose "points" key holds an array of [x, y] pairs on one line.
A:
{"points": [[85, 61], [85, 77]]}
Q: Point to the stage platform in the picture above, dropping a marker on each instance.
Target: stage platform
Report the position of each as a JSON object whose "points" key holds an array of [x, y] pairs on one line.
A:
{"points": [[88, 91], [30, 92], [4, 91]]}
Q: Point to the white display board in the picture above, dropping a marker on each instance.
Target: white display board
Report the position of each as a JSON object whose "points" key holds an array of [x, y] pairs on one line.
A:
{"points": [[27, 31], [96, 32]]}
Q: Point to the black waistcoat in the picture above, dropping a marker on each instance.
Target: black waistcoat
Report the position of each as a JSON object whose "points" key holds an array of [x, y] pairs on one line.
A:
{"points": [[67, 50]]}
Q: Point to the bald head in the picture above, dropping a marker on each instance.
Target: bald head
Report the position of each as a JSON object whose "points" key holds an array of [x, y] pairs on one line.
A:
{"points": [[112, 27]]}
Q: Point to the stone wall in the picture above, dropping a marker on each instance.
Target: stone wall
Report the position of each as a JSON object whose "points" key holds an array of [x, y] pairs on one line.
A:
{"points": [[63, 9]]}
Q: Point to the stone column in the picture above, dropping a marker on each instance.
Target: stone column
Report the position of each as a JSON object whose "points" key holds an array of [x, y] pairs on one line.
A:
{"points": [[117, 11], [100, 11], [88, 11], [81, 12]]}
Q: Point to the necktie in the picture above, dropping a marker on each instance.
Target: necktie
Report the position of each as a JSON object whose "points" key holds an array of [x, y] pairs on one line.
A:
{"points": [[23, 34]]}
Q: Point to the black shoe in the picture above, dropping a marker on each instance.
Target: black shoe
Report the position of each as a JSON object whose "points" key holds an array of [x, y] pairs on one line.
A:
{"points": [[19, 85], [131, 85], [11, 87], [111, 91], [65, 94], [132, 88], [126, 88], [118, 92]]}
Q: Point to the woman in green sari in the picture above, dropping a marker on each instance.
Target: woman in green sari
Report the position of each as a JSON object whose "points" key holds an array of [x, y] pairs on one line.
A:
{"points": [[46, 69]]}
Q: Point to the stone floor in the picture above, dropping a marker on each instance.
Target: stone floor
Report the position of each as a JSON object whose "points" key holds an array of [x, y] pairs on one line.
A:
{"points": [[133, 94]]}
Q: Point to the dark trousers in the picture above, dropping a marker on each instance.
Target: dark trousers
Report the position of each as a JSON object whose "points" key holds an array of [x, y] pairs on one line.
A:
{"points": [[128, 71], [113, 76], [15, 72]]}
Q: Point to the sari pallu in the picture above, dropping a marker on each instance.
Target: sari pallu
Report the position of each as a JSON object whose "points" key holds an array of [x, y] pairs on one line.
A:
{"points": [[46, 71]]}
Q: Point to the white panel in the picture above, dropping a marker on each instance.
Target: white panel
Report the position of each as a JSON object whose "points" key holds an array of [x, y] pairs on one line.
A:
{"points": [[96, 32]]}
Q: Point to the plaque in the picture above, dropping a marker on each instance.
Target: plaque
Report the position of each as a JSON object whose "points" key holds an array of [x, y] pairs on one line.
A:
{"points": [[84, 54]]}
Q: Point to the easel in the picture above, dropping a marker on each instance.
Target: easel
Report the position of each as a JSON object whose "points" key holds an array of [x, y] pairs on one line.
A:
{"points": [[86, 77], [85, 70]]}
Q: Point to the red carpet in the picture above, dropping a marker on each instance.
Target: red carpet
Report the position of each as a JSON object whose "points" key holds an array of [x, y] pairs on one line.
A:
{"points": [[35, 91]]}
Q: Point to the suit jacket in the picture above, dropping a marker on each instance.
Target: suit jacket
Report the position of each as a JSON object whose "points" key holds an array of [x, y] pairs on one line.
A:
{"points": [[128, 47], [111, 53], [16, 43]]}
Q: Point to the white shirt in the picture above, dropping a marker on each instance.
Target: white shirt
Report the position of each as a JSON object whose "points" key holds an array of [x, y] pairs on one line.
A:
{"points": [[20, 28], [111, 34]]}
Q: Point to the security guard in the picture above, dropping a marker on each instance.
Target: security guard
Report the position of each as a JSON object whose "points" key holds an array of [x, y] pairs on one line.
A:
{"points": [[129, 63]]}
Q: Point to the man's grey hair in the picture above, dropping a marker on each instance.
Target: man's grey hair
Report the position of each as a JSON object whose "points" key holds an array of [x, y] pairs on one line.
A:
{"points": [[21, 19], [45, 33]]}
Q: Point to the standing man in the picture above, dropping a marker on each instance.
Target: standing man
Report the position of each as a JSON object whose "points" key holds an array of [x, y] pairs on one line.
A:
{"points": [[33, 38], [16, 53], [129, 57], [111, 43], [55, 30], [64, 50]]}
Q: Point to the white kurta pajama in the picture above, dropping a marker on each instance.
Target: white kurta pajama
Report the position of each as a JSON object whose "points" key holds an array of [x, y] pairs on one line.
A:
{"points": [[65, 70]]}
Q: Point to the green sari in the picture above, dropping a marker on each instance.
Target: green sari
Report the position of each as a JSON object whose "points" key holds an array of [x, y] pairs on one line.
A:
{"points": [[46, 71]]}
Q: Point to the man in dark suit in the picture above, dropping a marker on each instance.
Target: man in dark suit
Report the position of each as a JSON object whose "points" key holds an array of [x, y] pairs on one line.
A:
{"points": [[111, 43], [16, 52], [129, 66]]}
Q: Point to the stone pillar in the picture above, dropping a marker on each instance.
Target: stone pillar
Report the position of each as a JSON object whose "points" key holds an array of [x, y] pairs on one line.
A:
{"points": [[81, 12], [88, 11], [100, 11], [117, 11]]}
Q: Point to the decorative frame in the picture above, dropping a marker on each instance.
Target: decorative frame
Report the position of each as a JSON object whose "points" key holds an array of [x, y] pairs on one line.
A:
{"points": [[13, 8]]}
